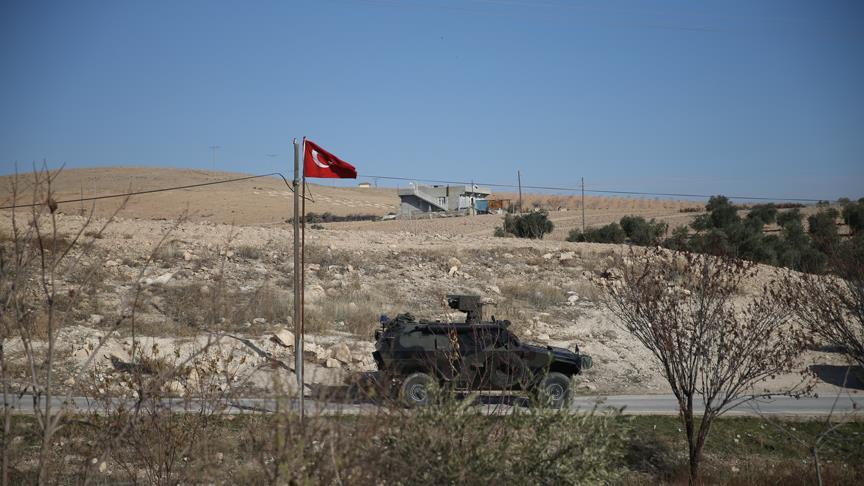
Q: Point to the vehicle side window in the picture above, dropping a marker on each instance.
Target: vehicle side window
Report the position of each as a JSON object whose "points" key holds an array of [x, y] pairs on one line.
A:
{"points": [[493, 338]]}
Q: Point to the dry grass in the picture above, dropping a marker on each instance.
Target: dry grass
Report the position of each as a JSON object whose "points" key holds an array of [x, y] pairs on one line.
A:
{"points": [[169, 252], [352, 309], [539, 295], [248, 252], [209, 306]]}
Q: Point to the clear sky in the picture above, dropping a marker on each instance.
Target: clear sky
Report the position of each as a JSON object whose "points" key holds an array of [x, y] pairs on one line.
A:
{"points": [[734, 97]]}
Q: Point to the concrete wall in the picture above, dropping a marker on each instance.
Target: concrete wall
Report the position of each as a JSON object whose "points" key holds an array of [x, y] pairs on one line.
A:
{"points": [[413, 205]]}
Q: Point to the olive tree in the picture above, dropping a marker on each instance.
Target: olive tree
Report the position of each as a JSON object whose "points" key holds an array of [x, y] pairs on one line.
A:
{"points": [[714, 346]]}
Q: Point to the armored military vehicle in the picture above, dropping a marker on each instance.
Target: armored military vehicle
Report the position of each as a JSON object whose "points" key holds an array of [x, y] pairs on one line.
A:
{"points": [[421, 356]]}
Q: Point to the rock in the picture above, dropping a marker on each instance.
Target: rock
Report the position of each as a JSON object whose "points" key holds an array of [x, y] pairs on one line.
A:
{"points": [[160, 280], [454, 264], [187, 255], [259, 320], [318, 351], [547, 256], [349, 268], [567, 255], [572, 299], [111, 263], [543, 337], [284, 338], [494, 289], [315, 293], [588, 386], [341, 352], [313, 267], [174, 387], [229, 253], [332, 363], [70, 381], [95, 319], [205, 290]]}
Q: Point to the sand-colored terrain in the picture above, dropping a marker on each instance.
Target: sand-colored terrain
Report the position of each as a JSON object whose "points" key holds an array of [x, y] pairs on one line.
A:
{"points": [[228, 269], [268, 201]]}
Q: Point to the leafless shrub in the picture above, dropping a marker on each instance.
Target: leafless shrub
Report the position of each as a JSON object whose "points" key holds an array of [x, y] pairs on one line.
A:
{"points": [[248, 252], [453, 443], [832, 306], [681, 307], [44, 276]]}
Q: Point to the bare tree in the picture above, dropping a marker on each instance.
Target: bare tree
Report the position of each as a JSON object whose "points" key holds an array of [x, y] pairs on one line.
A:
{"points": [[832, 306], [714, 351]]}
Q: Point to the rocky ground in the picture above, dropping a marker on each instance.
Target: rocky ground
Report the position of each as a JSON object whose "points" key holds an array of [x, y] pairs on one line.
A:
{"points": [[178, 288]]}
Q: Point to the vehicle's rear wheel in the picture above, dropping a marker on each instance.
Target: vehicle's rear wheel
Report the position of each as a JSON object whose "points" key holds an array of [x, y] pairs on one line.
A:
{"points": [[554, 391], [417, 390]]}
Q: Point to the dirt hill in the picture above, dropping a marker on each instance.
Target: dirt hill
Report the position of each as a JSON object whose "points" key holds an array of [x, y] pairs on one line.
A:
{"points": [[269, 200]]}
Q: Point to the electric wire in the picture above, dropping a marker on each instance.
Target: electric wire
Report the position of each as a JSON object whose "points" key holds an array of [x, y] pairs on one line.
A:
{"points": [[593, 191], [151, 191], [415, 179]]}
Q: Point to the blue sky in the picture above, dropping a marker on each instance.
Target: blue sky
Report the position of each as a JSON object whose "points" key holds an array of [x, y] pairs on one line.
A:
{"points": [[733, 97]]}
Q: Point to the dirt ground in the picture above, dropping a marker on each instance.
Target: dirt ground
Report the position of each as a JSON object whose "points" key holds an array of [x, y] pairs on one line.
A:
{"points": [[204, 278]]}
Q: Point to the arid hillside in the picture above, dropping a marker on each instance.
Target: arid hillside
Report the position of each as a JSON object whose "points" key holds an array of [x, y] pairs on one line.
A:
{"points": [[268, 201]]}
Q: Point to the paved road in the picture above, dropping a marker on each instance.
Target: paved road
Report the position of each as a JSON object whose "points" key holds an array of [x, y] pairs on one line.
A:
{"points": [[629, 404]]}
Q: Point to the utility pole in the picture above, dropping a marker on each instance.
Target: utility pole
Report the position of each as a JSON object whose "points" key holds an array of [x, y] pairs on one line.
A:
{"points": [[583, 205], [214, 148], [519, 176], [298, 296]]}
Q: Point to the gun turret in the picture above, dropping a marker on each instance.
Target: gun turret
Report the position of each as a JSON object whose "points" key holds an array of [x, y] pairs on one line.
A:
{"points": [[469, 304]]}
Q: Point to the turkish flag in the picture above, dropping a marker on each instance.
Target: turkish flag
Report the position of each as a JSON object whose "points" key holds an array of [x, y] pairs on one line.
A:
{"points": [[318, 162]]}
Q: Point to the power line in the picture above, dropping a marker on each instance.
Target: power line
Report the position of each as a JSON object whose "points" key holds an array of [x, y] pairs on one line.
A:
{"points": [[163, 189], [433, 181], [595, 191]]}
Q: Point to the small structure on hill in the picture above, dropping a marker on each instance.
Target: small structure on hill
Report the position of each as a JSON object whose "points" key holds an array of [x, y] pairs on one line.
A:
{"points": [[462, 198]]}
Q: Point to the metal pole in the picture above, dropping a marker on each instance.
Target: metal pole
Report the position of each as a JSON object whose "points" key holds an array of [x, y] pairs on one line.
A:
{"points": [[298, 298], [583, 205], [519, 176], [213, 148]]}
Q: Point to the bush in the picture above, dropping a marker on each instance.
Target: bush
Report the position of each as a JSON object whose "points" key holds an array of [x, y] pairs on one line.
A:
{"points": [[680, 239], [611, 233], [822, 227], [853, 215], [723, 212], [332, 218], [641, 232], [765, 213], [532, 225]]}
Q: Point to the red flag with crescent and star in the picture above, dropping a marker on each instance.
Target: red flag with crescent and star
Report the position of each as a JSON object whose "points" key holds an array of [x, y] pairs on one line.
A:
{"points": [[318, 162]]}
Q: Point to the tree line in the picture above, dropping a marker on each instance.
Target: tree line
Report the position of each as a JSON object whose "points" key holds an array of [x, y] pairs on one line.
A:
{"points": [[722, 231]]}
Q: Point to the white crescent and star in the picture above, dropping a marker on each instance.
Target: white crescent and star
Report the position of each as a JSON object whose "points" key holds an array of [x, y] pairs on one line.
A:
{"points": [[318, 162]]}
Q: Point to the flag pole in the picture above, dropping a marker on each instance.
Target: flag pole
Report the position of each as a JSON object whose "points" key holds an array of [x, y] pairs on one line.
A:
{"points": [[298, 296], [303, 271]]}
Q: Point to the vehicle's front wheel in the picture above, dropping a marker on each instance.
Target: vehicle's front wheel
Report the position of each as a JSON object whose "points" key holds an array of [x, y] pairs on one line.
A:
{"points": [[417, 390], [554, 391]]}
